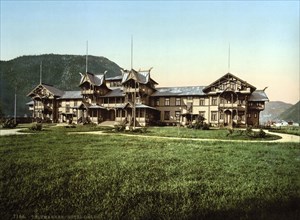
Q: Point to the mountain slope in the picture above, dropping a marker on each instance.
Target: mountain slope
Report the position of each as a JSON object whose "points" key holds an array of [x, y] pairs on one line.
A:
{"points": [[291, 114], [62, 71], [272, 110]]}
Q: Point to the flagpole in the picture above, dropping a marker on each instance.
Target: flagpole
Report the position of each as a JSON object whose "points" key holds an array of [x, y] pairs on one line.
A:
{"points": [[41, 71], [86, 58]]}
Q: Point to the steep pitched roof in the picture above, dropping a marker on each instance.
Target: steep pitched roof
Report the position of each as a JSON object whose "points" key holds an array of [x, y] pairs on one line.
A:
{"points": [[142, 77], [225, 77], [117, 92], [54, 91], [95, 79], [258, 95], [179, 91]]}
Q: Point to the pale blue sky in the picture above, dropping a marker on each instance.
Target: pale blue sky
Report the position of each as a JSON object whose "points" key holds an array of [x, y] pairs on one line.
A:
{"points": [[185, 42]]}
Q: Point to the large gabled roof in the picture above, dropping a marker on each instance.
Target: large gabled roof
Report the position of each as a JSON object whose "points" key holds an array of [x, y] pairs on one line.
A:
{"points": [[117, 92], [179, 91], [225, 78], [94, 79], [141, 76], [54, 91]]}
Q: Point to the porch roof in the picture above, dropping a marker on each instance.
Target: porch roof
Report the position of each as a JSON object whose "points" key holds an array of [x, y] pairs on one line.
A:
{"points": [[259, 95], [96, 107], [117, 92], [137, 106]]}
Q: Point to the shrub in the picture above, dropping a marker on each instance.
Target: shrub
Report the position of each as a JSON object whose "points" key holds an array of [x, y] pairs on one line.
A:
{"points": [[71, 126], [36, 127], [261, 133], [120, 126], [255, 134], [199, 124], [138, 130], [9, 123], [230, 131]]}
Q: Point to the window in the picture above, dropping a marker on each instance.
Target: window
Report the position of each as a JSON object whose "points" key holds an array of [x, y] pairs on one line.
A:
{"points": [[190, 98], [249, 115], [214, 116], [214, 101], [177, 115], [178, 101], [157, 102], [167, 101], [222, 101], [75, 103], [67, 107], [202, 113], [222, 116], [202, 102], [167, 115], [255, 115]]}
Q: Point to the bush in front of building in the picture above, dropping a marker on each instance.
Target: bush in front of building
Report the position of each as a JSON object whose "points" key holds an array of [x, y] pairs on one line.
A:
{"points": [[120, 126], [9, 123], [199, 124], [36, 127]]}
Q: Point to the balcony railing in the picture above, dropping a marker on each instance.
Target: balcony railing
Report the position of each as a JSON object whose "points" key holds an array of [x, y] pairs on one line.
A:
{"points": [[259, 107], [229, 105], [87, 92]]}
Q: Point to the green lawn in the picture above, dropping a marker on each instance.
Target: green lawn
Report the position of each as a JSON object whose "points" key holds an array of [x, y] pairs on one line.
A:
{"points": [[287, 130], [53, 173], [205, 134]]}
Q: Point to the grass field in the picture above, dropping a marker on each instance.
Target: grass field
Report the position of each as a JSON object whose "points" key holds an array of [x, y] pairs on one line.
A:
{"points": [[60, 175], [287, 130], [205, 134]]}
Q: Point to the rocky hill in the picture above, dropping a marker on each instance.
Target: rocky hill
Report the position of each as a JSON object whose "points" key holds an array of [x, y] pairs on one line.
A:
{"points": [[291, 114], [62, 71], [272, 111]]}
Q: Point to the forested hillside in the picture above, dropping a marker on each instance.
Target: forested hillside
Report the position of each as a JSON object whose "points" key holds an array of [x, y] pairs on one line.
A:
{"points": [[62, 71], [272, 111], [291, 114]]}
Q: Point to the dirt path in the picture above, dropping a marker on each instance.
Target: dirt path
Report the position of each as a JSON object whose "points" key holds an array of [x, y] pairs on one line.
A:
{"points": [[14, 131], [284, 137]]}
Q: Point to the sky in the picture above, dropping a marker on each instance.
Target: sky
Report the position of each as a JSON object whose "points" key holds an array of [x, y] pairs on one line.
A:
{"points": [[186, 42]]}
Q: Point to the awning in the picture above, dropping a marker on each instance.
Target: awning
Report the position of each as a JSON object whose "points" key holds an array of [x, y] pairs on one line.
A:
{"points": [[96, 107], [140, 106]]}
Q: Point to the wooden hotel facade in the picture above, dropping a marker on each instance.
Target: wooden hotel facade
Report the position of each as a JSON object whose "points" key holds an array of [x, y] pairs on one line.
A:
{"points": [[227, 101]]}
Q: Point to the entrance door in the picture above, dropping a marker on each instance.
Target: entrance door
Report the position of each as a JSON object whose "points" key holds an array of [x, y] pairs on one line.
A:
{"points": [[112, 115]]}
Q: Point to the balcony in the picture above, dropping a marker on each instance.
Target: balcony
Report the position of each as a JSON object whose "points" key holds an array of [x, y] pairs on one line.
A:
{"points": [[87, 92], [229, 105], [239, 107], [257, 107], [245, 91], [126, 90]]}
